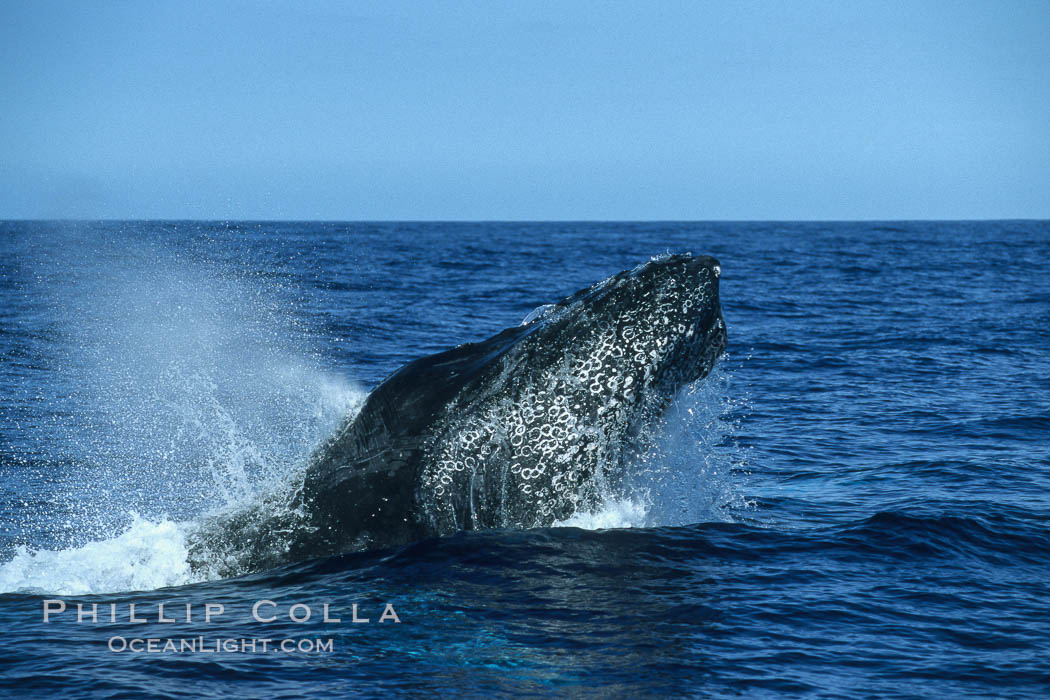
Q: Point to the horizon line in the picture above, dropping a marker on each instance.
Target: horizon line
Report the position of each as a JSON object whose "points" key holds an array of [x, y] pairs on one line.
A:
{"points": [[516, 221]]}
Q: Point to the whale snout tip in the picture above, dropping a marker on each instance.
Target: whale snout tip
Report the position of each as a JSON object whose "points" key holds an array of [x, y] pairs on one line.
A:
{"points": [[713, 265], [710, 263]]}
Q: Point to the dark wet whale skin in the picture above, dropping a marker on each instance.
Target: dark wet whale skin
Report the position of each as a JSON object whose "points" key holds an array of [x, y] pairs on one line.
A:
{"points": [[519, 430]]}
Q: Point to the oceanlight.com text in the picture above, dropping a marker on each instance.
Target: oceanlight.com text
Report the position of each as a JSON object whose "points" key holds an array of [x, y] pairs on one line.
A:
{"points": [[201, 645]]}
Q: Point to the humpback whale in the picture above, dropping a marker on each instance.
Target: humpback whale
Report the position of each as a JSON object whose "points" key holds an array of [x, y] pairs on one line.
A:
{"points": [[520, 430]]}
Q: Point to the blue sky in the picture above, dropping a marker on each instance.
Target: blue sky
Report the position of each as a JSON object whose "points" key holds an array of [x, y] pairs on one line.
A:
{"points": [[525, 110]]}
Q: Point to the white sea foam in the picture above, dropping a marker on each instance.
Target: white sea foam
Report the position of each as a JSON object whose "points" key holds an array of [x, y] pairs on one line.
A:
{"points": [[615, 513], [146, 556]]}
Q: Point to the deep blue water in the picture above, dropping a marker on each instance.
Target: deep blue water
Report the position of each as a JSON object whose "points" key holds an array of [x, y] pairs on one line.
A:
{"points": [[860, 504]]}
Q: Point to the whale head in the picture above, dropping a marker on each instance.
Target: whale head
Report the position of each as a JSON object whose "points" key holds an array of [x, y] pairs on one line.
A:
{"points": [[557, 405], [657, 326]]}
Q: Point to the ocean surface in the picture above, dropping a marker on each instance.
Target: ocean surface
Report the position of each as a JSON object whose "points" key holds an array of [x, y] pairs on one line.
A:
{"points": [[855, 504]]}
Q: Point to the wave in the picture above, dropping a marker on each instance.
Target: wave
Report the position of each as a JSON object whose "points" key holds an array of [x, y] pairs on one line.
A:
{"points": [[146, 556]]}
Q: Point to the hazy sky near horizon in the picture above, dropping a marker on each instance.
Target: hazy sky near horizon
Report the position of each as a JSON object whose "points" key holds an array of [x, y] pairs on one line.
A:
{"points": [[525, 110]]}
